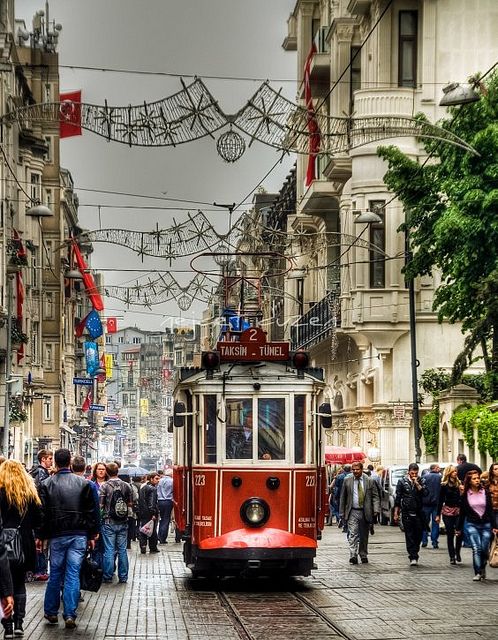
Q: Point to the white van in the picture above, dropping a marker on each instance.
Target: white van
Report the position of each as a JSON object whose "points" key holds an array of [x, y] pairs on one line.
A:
{"points": [[388, 481]]}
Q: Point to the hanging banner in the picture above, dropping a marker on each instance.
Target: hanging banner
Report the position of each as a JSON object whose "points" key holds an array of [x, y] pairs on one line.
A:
{"points": [[91, 357], [144, 407], [108, 365], [112, 325]]}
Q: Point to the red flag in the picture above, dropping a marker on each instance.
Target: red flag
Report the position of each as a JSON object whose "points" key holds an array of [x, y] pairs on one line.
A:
{"points": [[20, 293], [70, 114], [112, 325], [80, 327], [314, 131], [87, 402], [90, 286]]}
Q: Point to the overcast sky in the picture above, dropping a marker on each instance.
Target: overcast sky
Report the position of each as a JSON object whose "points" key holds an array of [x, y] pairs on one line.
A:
{"points": [[235, 38]]}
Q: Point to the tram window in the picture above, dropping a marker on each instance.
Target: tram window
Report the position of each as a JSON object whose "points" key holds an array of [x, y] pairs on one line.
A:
{"points": [[209, 429], [299, 428], [239, 431], [271, 428]]}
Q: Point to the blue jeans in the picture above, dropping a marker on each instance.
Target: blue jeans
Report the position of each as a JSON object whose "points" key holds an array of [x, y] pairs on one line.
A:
{"points": [[66, 556], [480, 539], [165, 508], [115, 537], [430, 514]]}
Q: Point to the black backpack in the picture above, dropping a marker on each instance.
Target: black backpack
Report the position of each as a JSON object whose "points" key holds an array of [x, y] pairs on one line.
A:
{"points": [[118, 509]]}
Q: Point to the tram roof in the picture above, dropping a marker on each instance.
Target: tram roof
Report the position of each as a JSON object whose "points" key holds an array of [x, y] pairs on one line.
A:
{"points": [[276, 372]]}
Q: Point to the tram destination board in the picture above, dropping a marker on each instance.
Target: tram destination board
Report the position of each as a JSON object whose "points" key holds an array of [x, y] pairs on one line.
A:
{"points": [[252, 346]]}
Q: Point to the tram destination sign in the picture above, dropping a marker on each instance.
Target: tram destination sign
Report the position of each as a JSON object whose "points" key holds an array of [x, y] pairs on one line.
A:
{"points": [[252, 346]]}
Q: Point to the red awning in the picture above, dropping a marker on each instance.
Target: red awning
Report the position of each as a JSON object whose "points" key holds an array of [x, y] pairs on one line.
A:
{"points": [[343, 455]]}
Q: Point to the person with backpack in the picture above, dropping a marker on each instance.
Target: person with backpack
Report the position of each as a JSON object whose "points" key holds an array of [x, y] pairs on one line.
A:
{"points": [[115, 499]]}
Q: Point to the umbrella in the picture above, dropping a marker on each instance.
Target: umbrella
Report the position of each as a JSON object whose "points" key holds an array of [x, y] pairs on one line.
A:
{"points": [[343, 455], [133, 472]]}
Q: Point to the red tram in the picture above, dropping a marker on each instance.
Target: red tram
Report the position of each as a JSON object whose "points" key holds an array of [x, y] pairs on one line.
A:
{"points": [[249, 479]]}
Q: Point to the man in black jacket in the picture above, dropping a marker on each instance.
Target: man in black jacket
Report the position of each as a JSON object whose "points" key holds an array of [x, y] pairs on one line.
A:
{"points": [[148, 510], [409, 493], [39, 474], [69, 522]]}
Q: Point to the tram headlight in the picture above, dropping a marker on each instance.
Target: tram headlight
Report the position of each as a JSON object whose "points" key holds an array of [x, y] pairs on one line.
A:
{"points": [[255, 512]]}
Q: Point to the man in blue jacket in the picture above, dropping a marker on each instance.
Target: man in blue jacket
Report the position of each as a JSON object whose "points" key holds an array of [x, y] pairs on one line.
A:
{"points": [[430, 505]]}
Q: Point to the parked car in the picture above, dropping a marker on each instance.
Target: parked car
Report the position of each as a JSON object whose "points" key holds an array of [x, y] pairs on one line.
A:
{"points": [[388, 481]]}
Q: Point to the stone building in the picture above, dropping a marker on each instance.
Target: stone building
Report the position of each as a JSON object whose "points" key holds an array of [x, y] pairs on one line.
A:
{"points": [[348, 297]]}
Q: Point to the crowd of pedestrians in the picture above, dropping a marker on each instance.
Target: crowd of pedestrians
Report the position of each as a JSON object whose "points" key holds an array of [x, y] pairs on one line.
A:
{"points": [[464, 498], [61, 512]]}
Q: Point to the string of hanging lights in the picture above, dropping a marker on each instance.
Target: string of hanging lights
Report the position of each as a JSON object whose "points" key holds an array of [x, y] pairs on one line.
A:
{"points": [[268, 117]]}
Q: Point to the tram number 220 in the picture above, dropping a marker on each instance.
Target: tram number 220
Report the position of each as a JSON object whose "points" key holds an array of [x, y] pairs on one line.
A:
{"points": [[199, 480], [310, 481]]}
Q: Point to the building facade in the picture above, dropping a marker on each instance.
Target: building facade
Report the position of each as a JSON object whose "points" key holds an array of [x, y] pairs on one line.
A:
{"points": [[348, 299]]}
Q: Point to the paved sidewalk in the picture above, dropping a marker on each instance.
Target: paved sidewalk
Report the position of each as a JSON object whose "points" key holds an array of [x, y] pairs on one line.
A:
{"points": [[385, 600]]}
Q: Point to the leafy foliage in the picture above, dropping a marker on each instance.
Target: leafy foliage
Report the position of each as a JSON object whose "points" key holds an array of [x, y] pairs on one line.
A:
{"points": [[17, 412], [451, 209], [480, 418], [430, 430]]}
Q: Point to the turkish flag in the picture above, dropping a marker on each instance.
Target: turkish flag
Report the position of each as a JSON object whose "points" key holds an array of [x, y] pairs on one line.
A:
{"points": [[70, 114], [112, 325], [87, 402]]}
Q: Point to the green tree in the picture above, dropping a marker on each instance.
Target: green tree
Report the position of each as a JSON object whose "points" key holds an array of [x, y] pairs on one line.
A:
{"points": [[451, 205]]}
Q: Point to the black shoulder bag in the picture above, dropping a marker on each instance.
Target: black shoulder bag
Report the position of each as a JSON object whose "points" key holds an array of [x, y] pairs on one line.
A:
{"points": [[12, 542]]}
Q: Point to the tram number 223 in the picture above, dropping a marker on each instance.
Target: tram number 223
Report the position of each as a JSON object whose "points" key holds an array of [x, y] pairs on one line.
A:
{"points": [[310, 481], [199, 480]]}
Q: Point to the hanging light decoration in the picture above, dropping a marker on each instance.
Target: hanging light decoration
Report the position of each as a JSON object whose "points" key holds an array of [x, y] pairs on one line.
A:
{"points": [[184, 302], [230, 146]]}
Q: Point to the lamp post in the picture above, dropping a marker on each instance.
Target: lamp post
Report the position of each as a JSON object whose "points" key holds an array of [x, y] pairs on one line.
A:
{"points": [[8, 369]]}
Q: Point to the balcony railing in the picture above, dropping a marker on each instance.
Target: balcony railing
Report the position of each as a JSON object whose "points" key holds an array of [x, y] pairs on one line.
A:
{"points": [[317, 324]]}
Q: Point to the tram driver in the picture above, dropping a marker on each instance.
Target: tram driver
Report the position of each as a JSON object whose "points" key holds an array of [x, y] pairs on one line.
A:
{"points": [[240, 439]]}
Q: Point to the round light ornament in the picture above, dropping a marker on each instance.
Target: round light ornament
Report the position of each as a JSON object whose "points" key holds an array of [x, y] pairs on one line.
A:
{"points": [[230, 146]]}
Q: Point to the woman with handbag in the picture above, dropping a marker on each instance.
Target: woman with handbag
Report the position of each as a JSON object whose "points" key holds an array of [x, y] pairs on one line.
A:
{"points": [[449, 509], [476, 515], [21, 514]]}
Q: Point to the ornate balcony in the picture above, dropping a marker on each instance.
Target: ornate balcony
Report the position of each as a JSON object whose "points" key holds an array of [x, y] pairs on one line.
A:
{"points": [[317, 324]]}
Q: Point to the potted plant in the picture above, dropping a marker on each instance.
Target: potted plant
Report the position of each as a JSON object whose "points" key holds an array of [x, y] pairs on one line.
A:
{"points": [[17, 335], [17, 259], [17, 413]]}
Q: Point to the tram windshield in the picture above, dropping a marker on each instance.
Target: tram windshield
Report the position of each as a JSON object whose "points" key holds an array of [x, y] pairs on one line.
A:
{"points": [[271, 428], [239, 429]]}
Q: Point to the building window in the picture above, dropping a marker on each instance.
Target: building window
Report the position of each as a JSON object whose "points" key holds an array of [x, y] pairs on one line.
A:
{"points": [[47, 408], [300, 295], [35, 189], [136, 340], [35, 338], [355, 72], [121, 340], [407, 50], [378, 246], [108, 339], [125, 399], [48, 357], [48, 306], [49, 158]]}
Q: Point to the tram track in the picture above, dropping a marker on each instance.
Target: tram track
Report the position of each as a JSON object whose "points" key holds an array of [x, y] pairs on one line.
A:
{"points": [[247, 630]]}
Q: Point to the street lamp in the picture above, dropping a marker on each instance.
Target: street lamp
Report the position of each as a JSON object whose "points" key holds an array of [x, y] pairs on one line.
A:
{"points": [[456, 94]]}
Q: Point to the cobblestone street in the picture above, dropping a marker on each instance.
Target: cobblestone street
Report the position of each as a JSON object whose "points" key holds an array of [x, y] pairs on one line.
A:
{"points": [[385, 599]]}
